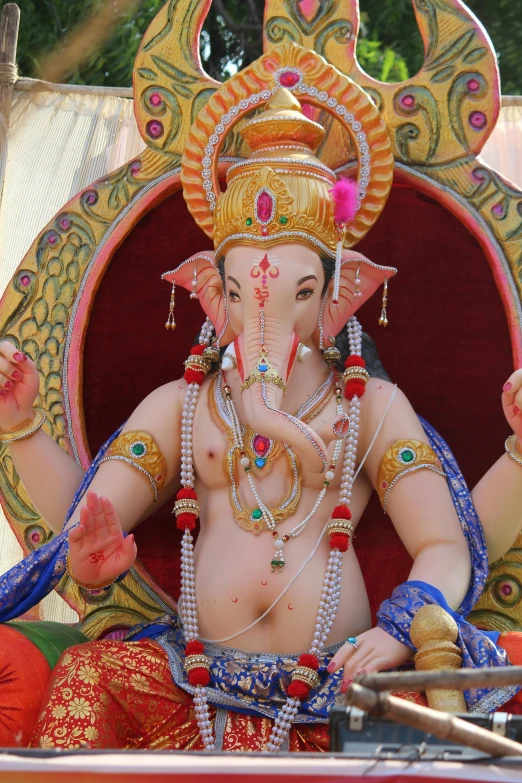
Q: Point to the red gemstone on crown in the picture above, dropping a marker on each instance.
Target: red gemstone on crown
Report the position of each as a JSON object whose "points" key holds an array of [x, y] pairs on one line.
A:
{"points": [[265, 207], [261, 445], [288, 79]]}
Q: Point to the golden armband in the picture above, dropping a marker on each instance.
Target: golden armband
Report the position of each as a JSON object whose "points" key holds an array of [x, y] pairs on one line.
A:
{"points": [[401, 459], [140, 450]]}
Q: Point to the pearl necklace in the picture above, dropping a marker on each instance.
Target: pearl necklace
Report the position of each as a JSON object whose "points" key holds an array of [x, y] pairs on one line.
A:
{"points": [[304, 677]]}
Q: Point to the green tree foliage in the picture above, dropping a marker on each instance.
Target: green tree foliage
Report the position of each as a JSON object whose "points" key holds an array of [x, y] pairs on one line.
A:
{"points": [[389, 48]]}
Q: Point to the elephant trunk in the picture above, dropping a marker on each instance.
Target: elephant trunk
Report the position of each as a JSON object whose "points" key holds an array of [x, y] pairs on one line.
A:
{"points": [[262, 408]]}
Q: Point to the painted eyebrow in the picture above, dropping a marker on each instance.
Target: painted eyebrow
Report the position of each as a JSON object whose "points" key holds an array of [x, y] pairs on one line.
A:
{"points": [[234, 281], [308, 277]]}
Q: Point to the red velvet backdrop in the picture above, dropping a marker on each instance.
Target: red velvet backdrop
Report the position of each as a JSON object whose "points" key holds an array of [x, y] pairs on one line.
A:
{"points": [[447, 347]]}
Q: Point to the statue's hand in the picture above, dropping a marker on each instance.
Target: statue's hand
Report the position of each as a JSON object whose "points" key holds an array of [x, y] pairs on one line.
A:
{"points": [[512, 403], [18, 387], [98, 551], [377, 651]]}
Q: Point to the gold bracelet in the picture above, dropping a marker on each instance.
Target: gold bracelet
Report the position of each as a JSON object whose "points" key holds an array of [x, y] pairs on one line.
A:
{"points": [[510, 446], [401, 459], [98, 586], [28, 429], [139, 450]]}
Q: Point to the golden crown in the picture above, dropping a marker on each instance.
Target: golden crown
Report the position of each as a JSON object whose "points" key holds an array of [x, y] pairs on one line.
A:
{"points": [[281, 192]]}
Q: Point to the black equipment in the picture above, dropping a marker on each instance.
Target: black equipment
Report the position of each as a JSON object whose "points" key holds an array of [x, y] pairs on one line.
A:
{"points": [[358, 734]]}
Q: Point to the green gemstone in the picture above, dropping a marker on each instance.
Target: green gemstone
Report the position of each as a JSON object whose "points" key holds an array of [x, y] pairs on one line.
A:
{"points": [[283, 220], [256, 514], [138, 449], [277, 563], [407, 455], [249, 221]]}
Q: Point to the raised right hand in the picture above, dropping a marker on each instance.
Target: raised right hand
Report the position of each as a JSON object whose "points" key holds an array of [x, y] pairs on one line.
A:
{"points": [[18, 387], [98, 551]]}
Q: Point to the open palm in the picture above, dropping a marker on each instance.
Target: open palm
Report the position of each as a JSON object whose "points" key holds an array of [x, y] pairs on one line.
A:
{"points": [[98, 550]]}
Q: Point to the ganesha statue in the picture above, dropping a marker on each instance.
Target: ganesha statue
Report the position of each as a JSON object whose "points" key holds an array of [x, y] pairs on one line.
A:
{"points": [[282, 427]]}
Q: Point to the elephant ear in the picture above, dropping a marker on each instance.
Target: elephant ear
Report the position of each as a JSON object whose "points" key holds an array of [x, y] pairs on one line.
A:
{"points": [[209, 289], [371, 276]]}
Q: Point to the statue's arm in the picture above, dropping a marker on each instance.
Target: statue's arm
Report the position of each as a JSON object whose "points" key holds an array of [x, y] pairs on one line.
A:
{"points": [[159, 417], [120, 493], [51, 476], [498, 495], [420, 504], [422, 512]]}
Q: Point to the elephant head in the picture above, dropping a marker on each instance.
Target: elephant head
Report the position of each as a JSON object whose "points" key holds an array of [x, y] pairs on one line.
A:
{"points": [[289, 284]]}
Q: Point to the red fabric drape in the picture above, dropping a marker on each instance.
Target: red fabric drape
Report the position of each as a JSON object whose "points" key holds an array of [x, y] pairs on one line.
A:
{"points": [[447, 347]]}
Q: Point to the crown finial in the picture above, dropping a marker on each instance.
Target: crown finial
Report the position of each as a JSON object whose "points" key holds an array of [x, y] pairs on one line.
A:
{"points": [[282, 122]]}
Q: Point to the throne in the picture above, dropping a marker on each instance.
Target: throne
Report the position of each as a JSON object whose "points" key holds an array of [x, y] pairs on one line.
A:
{"points": [[89, 288]]}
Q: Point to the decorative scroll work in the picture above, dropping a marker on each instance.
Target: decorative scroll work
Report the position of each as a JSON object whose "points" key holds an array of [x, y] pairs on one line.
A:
{"points": [[35, 314], [170, 86], [448, 109], [500, 606]]}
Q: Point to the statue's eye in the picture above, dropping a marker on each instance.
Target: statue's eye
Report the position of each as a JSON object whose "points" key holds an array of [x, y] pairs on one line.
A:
{"points": [[234, 296], [306, 293]]}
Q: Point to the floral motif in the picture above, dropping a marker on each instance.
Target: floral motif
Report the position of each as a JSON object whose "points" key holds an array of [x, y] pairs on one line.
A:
{"points": [[79, 707]]}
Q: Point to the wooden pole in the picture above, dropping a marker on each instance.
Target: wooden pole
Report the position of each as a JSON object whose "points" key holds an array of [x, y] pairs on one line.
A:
{"points": [[9, 24], [462, 679], [441, 724]]}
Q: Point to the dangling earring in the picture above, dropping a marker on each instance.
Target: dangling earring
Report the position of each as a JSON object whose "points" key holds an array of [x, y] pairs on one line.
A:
{"points": [[194, 292], [357, 291], [383, 320], [170, 323]]}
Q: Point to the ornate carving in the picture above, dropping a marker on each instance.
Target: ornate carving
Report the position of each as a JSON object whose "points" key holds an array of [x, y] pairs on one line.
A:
{"points": [[452, 104], [170, 85], [500, 606]]}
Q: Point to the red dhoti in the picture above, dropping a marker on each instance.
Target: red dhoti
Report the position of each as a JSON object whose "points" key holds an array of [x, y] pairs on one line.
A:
{"points": [[121, 695]]}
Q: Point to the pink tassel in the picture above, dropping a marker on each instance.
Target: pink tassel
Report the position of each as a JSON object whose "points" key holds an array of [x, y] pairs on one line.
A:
{"points": [[344, 194]]}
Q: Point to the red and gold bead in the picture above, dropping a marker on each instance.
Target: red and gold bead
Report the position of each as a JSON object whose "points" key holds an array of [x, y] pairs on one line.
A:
{"points": [[186, 508]]}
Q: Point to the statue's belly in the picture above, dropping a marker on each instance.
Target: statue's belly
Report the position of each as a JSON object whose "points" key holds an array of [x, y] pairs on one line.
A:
{"points": [[235, 584]]}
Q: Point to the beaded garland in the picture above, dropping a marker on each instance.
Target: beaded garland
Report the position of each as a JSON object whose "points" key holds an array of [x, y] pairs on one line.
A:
{"points": [[304, 677]]}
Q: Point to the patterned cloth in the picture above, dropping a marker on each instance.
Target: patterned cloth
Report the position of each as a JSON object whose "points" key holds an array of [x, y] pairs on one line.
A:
{"points": [[121, 695], [253, 683]]}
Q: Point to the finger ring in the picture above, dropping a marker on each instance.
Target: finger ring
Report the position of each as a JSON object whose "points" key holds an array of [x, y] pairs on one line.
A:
{"points": [[353, 641]]}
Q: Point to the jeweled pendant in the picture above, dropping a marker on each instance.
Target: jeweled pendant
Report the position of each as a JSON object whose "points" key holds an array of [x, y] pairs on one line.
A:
{"points": [[278, 560]]}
